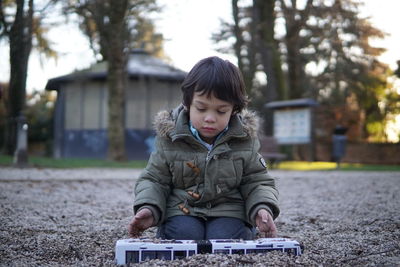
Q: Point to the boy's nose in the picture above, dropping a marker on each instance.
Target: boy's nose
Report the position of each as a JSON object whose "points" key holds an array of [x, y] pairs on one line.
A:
{"points": [[209, 118]]}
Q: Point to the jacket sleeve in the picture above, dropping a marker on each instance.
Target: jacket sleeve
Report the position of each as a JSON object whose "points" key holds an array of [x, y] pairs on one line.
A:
{"points": [[257, 186], [153, 185]]}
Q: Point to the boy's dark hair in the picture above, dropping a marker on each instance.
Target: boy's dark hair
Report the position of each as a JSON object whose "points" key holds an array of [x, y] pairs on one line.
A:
{"points": [[218, 77]]}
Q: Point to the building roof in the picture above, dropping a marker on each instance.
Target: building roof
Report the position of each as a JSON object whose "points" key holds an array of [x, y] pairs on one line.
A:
{"points": [[301, 102], [140, 64]]}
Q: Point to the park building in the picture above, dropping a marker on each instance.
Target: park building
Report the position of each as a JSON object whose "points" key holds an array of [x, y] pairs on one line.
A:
{"points": [[80, 116]]}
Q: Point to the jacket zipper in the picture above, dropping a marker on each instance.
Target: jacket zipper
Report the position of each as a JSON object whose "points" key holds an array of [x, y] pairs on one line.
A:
{"points": [[208, 156]]}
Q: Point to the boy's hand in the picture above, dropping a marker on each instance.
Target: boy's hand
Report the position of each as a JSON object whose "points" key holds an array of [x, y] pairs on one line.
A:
{"points": [[265, 223], [140, 222]]}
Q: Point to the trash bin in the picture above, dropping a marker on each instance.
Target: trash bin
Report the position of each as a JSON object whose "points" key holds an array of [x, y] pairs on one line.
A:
{"points": [[339, 140]]}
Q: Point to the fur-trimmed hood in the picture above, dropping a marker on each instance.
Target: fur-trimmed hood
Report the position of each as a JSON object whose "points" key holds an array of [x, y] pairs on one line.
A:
{"points": [[165, 121]]}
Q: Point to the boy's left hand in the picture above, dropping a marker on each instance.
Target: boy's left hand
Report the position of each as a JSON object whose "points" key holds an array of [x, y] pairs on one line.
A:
{"points": [[140, 222], [265, 223]]}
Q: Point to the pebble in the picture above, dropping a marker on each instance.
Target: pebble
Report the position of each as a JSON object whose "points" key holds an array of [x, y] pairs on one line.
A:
{"points": [[74, 217]]}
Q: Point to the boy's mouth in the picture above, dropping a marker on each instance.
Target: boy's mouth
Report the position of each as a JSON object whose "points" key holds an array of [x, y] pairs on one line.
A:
{"points": [[208, 129]]}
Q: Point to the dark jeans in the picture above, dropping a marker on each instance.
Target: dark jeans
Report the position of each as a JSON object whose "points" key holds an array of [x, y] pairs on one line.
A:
{"points": [[195, 228]]}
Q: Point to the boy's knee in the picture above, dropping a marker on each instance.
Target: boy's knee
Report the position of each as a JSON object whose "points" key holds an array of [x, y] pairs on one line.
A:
{"points": [[182, 227], [228, 228]]}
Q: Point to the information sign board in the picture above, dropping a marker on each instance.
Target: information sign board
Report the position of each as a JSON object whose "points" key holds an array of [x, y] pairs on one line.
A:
{"points": [[292, 126]]}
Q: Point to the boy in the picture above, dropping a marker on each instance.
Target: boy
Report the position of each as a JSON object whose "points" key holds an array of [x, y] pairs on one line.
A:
{"points": [[206, 180]]}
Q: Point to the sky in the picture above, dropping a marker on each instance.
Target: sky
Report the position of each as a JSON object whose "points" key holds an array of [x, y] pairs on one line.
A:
{"points": [[187, 26]]}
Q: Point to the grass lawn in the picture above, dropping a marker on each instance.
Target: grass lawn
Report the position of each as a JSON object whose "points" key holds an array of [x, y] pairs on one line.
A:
{"points": [[319, 165], [44, 162]]}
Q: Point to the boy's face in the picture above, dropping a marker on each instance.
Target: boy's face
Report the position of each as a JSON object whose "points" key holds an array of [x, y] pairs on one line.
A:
{"points": [[209, 115]]}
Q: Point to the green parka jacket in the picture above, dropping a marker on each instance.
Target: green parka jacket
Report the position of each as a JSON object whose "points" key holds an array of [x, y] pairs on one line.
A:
{"points": [[184, 178]]}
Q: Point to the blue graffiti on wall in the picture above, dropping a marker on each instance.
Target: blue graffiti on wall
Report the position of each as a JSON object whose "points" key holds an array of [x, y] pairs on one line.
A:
{"points": [[149, 141], [94, 140], [94, 143]]}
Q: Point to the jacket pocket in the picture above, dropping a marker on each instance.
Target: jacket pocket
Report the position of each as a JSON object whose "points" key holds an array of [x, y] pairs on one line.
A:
{"points": [[229, 175], [183, 176]]}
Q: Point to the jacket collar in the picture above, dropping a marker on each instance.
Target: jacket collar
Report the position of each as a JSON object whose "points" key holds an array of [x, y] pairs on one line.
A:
{"points": [[175, 124]]}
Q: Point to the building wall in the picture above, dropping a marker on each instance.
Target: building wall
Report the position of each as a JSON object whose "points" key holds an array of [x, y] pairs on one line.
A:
{"points": [[361, 152], [145, 98], [327, 118], [73, 107], [84, 131], [137, 101], [86, 106]]}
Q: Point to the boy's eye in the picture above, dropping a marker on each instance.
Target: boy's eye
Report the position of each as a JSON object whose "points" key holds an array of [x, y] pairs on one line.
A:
{"points": [[201, 109]]}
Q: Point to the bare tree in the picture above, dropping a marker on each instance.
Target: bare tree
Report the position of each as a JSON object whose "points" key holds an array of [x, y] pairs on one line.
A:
{"points": [[295, 21], [21, 24], [329, 35], [113, 27], [113, 35], [255, 47], [264, 17], [19, 32]]}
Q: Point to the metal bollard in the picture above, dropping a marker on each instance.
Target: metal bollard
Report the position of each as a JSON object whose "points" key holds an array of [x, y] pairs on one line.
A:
{"points": [[21, 151]]}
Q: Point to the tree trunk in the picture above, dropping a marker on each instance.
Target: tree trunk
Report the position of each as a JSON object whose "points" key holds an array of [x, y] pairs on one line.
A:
{"points": [[117, 77], [293, 60], [295, 20], [246, 63], [264, 17], [116, 104], [20, 48]]}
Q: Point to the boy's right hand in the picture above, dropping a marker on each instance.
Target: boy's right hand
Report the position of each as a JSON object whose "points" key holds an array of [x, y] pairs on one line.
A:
{"points": [[140, 222]]}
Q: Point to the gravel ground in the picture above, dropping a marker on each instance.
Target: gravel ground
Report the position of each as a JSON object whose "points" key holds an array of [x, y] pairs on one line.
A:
{"points": [[74, 217]]}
